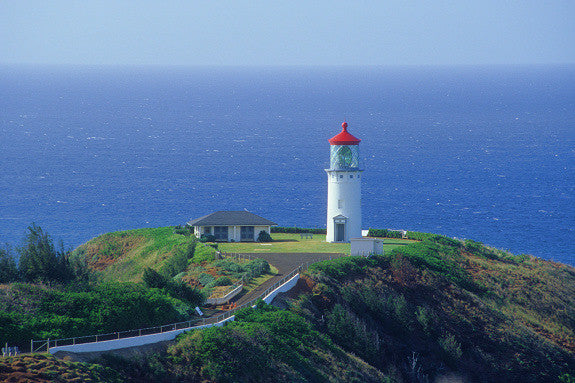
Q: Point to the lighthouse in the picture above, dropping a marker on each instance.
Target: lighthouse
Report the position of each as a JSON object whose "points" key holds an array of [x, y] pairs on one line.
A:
{"points": [[343, 188]]}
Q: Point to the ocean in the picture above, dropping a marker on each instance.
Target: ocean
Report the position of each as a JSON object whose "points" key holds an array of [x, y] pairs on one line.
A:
{"points": [[485, 153]]}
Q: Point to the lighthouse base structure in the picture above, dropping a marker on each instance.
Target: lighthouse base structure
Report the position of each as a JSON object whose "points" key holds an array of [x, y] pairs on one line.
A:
{"points": [[343, 205]]}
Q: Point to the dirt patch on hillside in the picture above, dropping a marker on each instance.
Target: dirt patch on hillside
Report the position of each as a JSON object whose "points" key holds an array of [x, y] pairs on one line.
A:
{"points": [[108, 250]]}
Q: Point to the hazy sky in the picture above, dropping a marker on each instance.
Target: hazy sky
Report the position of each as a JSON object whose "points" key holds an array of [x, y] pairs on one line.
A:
{"points": [[312, 32]]}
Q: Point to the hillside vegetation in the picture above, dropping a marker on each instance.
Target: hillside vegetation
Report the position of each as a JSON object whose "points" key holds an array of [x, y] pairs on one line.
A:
{"points": [[435, 309], [445, 305], [116, 282], [124, 255]]}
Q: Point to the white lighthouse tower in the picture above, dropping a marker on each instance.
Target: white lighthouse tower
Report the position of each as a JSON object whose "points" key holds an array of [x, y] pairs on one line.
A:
{"points": [[343, 188]]}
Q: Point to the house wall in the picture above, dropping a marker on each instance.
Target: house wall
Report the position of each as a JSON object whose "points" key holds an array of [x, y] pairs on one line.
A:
{"points": [[257, 230], [234, 232]]}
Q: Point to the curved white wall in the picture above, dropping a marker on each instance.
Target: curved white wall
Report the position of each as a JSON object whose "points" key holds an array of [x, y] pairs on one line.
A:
{"points": [[344, 198]]}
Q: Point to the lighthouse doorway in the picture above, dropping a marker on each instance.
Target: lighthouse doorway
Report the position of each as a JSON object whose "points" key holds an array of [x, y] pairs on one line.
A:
{"points": [[340, 232]]}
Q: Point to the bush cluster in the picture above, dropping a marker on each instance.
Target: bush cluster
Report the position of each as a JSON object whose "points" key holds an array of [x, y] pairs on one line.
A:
{"points": [[264, 236], [183, 230], [244, 271], [344, 267], [207, 238], [49, 313], [176, 289], [441, 255], [178, 262], [253, 348]]}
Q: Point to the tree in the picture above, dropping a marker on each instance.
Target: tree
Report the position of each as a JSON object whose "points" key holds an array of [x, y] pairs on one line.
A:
{"points": [[39, 259], [8, 269], [263, 236]]}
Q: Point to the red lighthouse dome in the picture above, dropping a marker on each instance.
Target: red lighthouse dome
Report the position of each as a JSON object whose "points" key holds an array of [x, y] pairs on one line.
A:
{"points": [[344, 137]]}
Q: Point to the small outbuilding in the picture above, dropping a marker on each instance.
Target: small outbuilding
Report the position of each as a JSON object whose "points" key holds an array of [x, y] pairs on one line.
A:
{"points": [[231, 226], [366, 246]]}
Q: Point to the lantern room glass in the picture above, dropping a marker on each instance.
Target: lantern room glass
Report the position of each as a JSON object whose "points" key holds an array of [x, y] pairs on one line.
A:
{"points": [[344, 157]]}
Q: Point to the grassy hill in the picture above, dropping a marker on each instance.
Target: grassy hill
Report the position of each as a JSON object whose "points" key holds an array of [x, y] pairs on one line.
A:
{"points": [[435, 309], [461, 308], [439, 308], [123, 255]]}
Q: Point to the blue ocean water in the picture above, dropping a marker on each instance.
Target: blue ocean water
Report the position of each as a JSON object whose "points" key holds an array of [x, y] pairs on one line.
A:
{"points": [[471, 152]]}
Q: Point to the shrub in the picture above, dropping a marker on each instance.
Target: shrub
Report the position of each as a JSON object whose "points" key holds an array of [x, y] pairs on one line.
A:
{"points": [[223, 281], [450, 347], [424, 318], [207, 238], [176, 289], [99, 309], [153, 279], [175, 264], [205, 279], [438, 257], [183, 230], [203, 254], [264, 236], [258, 267], [352, 333], [346, 266], [229, 266], [184, 292]]}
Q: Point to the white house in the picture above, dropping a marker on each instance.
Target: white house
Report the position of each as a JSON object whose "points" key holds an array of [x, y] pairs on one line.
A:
{"points": [[231, 226]]}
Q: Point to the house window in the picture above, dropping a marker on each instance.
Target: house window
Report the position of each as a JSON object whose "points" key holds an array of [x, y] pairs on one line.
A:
{"points": [[247, 233], [221, 233]]}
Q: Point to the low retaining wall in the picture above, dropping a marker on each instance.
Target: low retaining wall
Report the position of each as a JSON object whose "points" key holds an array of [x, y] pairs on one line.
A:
{"points": [[116, 344], [225, 298], [281, 289]]}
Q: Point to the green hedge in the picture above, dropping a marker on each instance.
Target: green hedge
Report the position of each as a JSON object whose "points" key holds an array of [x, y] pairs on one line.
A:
{"points": [[297, 230], [386, 233]]}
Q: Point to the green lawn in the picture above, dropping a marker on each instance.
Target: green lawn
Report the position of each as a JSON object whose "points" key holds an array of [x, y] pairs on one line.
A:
{"points": [[293, 243]]}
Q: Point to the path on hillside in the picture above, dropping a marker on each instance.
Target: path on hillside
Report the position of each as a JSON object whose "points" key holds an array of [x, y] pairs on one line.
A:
{"points": [[285, 263]]}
